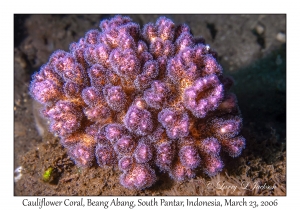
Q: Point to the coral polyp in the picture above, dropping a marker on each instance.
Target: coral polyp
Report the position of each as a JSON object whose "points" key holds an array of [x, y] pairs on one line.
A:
{"points": [[147, 100]]}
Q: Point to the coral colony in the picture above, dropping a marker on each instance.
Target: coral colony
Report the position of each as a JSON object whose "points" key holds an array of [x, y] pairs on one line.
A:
{"points": [[147, 100]]}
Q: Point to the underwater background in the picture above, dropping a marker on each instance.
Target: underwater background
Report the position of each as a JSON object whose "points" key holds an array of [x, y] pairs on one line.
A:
{"points": [[251, 48]]}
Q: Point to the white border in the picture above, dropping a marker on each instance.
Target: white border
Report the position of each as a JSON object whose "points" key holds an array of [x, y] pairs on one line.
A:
{"points": [[8, 8]]}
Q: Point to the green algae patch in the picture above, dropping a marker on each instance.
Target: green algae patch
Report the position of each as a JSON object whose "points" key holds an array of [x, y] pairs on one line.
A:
{"points": [[47, 174]]}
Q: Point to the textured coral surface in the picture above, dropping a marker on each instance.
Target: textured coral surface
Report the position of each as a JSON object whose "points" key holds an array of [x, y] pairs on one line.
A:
{"points": [[146, 99]]}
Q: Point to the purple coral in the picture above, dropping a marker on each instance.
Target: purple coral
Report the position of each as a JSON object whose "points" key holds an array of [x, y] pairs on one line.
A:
{"points": [[114, 132], [105, 155], [139, 177], [143, 99], [205, 95], [189, 157], [138, 120], [213, 165], [115, 97], [156, 95], [181, 173], [82, 155], [125, 163], [65, 118], [175, 123], [143, 152], [125, 145]]}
